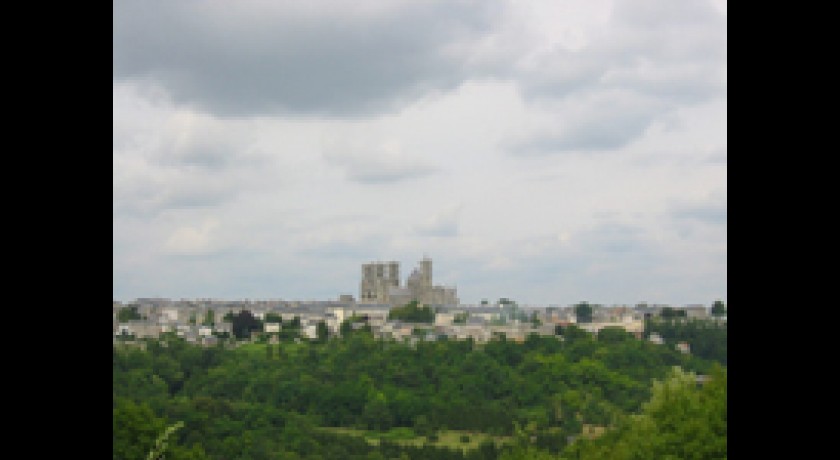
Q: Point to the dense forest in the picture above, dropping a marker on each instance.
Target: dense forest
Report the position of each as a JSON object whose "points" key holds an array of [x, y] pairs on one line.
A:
{"points": [[355, 397]]}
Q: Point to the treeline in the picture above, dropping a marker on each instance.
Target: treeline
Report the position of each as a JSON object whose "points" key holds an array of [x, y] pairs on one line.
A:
{"points": [[412, 312], [681, 420], [706, 338], [266, 401]]}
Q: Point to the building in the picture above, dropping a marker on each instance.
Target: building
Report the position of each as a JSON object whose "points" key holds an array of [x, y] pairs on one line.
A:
{"points": [[377, 278], [381, 284]]}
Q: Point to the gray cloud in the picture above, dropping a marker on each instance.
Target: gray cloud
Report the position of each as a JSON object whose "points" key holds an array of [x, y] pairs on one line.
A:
{"points": [[718, 157], [147, 196], [656, 48], [709, 213], [445, 223], [184, 160], [600, 122], [325, 58], [369, 163], [658, 56], [613, 238], [611, 261], [653, 14], [194, 141], [346, 248]]}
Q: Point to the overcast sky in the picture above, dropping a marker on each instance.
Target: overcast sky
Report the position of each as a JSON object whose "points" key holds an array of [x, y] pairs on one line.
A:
{"points": [[549, 152]]}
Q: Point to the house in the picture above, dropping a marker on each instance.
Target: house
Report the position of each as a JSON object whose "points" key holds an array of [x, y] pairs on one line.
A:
{"points": [[696, 312], [223, 327], [444, 319], [683, 347], [634, 327], [310, 331], [139, 328]]}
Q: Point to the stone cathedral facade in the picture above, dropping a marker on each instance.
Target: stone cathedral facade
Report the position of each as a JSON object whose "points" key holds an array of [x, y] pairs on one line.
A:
{"points": [[381, 284]]}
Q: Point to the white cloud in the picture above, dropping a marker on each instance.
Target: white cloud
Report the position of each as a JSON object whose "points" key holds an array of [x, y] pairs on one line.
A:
{"points": [[192, 239], [443, 223], [370, 163]]}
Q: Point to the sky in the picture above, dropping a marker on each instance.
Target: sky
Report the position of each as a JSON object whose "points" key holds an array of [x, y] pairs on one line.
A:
{"points": [[546, 152]]}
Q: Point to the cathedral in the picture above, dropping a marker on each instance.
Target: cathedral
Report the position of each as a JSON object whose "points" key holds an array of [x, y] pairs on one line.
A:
{"points": [[381, 284]]}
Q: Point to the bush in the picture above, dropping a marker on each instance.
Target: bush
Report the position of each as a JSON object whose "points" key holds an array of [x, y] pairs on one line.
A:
{"points": [[465, 438]]}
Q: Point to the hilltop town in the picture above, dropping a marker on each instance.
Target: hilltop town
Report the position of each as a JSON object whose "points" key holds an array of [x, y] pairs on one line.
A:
{"points": [[208, 321]]}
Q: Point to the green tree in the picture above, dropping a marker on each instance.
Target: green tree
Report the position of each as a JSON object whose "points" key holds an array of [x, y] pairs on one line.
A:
{"points": [[322, 331], [412, 312], [244, 323], [614, 334], [573, 333], [671, 313], [210, 318], [135, 428], [718, 308], [460, 318], [295, 323], [346, 328], [376, 415], [272, 317], [680, 421], [583, 312], [161, 443], [423, 427], [128, 313]]}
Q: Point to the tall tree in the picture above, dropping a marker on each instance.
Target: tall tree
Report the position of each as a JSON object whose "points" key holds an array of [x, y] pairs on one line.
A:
{"points": [[718, 308], [679, 421], [128, 313], [583, 312], [322, 331], [244, 323], [670, 313], [210, 318]]}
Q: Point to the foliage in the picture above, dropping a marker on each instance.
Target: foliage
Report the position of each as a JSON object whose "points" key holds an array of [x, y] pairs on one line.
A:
{"points": [[670, 313], [272, 317], [210, 318], [413, 313], [706, 338], [243, 323], [614, 334], [161, 443], [583, 312], [322, 332], [680, 421], [718, 308], [128, 313], [572, 333], [236, 403]]}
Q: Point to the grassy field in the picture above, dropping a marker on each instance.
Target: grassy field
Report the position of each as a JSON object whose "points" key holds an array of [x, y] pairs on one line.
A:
{"points": [[448, 438]]}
